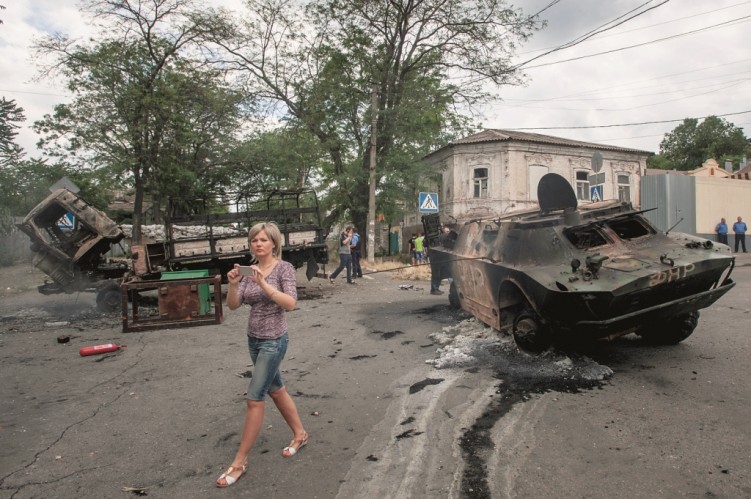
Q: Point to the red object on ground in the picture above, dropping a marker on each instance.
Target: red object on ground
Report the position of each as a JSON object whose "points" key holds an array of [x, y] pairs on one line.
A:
{"points": [[106, 348]]}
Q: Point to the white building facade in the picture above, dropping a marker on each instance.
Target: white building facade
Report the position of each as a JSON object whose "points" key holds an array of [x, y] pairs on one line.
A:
{"points": [[497, 171]]}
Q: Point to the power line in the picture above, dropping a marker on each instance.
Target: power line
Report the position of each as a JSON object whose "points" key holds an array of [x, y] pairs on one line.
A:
{"points": [[737, 20], [600, 29], [620, 33], [619, 124]]}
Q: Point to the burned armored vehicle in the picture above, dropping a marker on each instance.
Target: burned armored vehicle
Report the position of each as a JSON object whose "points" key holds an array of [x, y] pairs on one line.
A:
{"points": [[564, 272]]}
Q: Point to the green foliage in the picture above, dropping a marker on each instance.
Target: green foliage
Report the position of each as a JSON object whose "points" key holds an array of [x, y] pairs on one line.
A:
{"points": [[10, 115], [283, 159], [143, 112], [659, 162], [691, 143], [321, 64]]}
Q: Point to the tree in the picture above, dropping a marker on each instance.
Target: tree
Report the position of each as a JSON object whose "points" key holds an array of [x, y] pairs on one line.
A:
{"points": [[138, 97], [691, 143], [281, 159], [427, 58], [10, 115]]}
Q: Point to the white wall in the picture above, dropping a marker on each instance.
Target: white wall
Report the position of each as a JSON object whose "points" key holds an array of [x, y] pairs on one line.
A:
{"points": [[720, 197]]}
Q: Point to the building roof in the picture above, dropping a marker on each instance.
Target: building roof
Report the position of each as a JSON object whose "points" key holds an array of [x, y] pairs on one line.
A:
{"points": [[496, 135], [743, 173]]}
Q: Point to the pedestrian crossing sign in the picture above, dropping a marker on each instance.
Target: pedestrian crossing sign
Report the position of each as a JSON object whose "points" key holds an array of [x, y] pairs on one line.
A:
{"points": [[595, 193], [428, 202], [66, 221]]}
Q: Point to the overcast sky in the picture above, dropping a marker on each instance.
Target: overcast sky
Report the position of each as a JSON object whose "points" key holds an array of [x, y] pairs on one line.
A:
{"points": [[693, 60]]}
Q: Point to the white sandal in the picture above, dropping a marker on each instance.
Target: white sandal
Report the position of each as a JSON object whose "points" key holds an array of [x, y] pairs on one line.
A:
{"points": [[228, 479]]}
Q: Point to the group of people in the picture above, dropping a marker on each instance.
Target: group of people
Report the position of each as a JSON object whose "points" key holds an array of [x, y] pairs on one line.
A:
{"points": [[739, 229], [350, 250]]}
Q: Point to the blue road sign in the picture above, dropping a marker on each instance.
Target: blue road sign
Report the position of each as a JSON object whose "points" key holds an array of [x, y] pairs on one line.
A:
{"points": [[66, 221], [595, 193], [428, 202]]}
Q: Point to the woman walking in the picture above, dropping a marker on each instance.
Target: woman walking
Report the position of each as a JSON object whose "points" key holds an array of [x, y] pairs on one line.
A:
{"points": [[270, 291]]}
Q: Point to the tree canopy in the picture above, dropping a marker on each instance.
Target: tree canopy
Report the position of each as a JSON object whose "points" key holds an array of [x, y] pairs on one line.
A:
{"points": [[144, 111], [430, 62], [691, 143], [152, 107]]}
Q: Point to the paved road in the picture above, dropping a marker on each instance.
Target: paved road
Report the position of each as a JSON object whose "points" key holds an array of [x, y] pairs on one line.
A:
{"points": [[165, 413]]}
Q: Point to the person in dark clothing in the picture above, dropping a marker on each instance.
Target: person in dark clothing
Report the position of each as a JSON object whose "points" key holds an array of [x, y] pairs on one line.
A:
{"points": [[411, 249], [436, 264], [722, 232], [739, 228], [355, 246]]}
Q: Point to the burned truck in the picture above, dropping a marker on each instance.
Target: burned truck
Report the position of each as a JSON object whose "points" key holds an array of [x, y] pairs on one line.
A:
{"points": [[564, 272], [71, 240]]}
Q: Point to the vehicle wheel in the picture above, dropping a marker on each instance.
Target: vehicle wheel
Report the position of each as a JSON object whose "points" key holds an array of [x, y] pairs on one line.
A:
{"points": [[454, 296], [109, 299], [530, 334], [673, 331]]}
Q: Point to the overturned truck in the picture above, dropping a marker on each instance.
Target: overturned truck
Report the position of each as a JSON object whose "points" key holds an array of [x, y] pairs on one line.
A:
{"points": [[565, 272], [71, 240]]}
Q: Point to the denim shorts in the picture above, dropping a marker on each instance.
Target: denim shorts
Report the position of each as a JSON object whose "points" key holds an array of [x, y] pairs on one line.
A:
{"points": [[267, 357]]}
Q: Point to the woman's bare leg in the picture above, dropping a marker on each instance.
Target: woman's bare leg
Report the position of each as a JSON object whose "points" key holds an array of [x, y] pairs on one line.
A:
{"points": [[251, 429], [288, 409]]}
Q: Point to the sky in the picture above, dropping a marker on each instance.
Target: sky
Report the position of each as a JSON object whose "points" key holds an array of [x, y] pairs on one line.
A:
{"points": [[688, 59]]}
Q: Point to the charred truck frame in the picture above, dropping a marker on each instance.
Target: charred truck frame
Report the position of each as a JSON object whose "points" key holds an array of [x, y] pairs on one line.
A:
{"points": [[214, 239], [596, 272]]}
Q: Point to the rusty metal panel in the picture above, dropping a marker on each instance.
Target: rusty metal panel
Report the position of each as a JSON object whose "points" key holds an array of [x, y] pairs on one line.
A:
{"points": [[178, 304]]}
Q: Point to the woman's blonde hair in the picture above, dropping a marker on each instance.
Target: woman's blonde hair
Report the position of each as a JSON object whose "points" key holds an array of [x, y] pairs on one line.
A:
{"points": [[272, 231]]}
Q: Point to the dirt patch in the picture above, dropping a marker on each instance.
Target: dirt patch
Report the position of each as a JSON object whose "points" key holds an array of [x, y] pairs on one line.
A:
{"points": [[19, 279]]}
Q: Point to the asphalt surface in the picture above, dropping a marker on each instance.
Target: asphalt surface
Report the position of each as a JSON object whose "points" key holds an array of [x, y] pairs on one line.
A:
{"points": [[161, 418]]}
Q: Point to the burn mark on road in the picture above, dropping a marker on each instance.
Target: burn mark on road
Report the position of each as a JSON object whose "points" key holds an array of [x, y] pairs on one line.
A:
{"points": [[387, 335], [409, 434], [516, 386], [422, 384]]}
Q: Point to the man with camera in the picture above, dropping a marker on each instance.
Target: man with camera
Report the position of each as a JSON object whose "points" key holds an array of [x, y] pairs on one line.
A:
{"points": [[345, 255]]}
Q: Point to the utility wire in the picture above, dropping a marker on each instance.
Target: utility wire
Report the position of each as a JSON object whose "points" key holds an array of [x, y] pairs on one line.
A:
{"points": [[737, 20], [600, 29], [621, 124], [621, 33]]}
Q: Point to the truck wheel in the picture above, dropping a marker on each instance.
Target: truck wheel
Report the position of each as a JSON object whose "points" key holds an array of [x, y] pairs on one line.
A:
{"points": [[530, 334], [673, 331], [454, 296], [108, 299]]}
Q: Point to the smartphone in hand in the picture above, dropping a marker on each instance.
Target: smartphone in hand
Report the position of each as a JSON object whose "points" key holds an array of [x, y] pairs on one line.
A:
{"points": [[246, 270]]}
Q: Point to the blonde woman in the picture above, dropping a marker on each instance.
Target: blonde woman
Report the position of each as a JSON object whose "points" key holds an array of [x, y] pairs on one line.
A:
{"points": [[270, 291]]}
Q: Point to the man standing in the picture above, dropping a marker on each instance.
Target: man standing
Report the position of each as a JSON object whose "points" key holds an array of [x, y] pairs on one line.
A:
{"points": [[411, 249], [356, 247], [437, 268], [739, 228], [345, 256], [722, 232]]}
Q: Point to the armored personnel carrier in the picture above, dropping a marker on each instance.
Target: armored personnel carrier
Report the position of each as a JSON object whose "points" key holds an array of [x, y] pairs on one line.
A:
{"points": [[597, 271]]}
